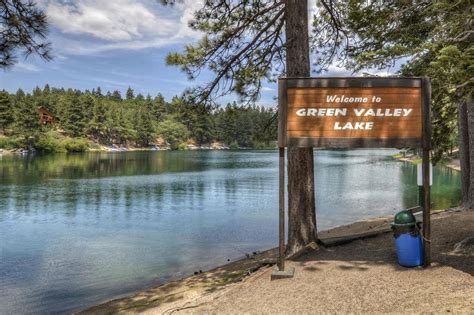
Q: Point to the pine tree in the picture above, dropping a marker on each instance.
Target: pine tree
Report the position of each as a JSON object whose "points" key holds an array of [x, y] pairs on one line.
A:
{"points": [[6, 111], [265, 127], [145, 130], [129, 94], [202, 129], [159, 107], [437, 37], [245, 43], [74, 121], [87, 104], [116, 96], [26, 119], [118, 125], [37, 92], [20, 94], [226, 123], [97, 127], [46, 90], [23, 28], [98, 92]]}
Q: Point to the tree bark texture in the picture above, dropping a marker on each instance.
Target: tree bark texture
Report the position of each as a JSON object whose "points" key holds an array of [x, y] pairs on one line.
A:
{"points": [[470, 132], [301, 198], [464, 153]]}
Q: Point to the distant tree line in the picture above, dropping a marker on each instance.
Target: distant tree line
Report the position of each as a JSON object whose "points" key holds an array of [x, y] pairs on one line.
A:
{"points": [[133, 120]]}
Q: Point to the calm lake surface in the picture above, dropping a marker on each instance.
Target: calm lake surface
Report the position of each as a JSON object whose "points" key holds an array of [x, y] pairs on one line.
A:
{"points": [[79, 229]]}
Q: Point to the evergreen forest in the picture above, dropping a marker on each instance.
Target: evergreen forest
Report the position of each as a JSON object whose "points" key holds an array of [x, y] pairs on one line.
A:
{"points": [[91, 119]]}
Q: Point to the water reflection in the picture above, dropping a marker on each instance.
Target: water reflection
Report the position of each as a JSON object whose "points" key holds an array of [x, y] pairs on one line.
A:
{"points": [[77, 229]]}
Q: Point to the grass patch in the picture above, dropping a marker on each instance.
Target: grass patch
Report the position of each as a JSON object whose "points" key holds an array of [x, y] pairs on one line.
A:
{"points": [[410, 159]]}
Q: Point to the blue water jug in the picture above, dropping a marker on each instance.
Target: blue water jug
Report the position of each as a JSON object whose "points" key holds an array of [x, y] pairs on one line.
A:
{"points": [[409, 250], [408, 241]]}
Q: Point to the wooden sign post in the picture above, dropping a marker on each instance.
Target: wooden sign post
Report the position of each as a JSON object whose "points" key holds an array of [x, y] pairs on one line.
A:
{"points": [[355, 113]]}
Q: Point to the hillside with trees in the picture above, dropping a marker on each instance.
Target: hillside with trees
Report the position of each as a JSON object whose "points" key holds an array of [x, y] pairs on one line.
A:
{"points": [[81, 119]]}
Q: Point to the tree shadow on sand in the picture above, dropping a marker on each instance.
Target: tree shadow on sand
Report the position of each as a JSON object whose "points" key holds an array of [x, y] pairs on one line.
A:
{"points": [[447, 231]]}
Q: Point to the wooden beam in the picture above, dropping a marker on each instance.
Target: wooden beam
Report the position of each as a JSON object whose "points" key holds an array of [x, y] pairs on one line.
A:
{"points": [[353, 143], [426, 87], [281, 204], [343, 82], [282, 112]]}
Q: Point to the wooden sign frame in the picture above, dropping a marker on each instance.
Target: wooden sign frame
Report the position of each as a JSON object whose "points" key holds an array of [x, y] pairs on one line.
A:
{"points": [[361, 83], [423, 142]]}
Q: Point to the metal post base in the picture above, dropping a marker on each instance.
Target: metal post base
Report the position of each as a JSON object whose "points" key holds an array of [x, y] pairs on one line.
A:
{"points": [[283, 274]]}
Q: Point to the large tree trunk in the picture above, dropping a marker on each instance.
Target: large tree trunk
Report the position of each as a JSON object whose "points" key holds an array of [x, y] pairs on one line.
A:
{"points": [[464, 153], [301, 201], [470, 132]]}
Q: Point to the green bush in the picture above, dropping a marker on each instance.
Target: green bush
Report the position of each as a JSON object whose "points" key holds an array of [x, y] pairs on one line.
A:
{"points": [[263, 146], [182, 146], [234, 146], [173, 132], [49, 143], [9, 143], [55, 142], [75, 145]]}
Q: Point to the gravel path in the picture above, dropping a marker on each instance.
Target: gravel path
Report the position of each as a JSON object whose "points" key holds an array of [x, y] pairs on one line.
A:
{"points": [[360, 277]]}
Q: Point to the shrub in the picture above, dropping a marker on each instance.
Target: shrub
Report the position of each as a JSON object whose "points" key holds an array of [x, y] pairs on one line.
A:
{"points": [[182, 146], [76, 145], [9, 143], [234, 146], [263, 146], [49, 143], [173, 132], [53, 141]]}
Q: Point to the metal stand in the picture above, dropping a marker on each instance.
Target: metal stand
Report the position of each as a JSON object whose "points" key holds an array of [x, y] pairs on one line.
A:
{"points": [[425, 171], [280, 272], [426, 204]]}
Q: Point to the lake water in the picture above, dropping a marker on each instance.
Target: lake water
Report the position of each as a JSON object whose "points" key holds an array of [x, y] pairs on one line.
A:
{"points": [[79, 229]]}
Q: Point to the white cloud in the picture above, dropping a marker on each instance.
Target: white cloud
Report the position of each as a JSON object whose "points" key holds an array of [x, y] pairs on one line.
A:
{"points": [[25, 67], [91, 26], [268, 89], [334, 70], [379, 73], [116, 20]]}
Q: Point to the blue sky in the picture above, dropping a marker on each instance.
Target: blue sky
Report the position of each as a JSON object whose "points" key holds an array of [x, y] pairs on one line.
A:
{"points": [[113, 44], [116, 44]]}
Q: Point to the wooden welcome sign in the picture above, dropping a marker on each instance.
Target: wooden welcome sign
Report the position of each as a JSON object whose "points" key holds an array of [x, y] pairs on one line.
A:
{"points": [[352, 112]]}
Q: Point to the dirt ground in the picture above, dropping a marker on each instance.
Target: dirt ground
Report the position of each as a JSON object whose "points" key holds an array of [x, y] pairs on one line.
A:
{"points": [[359, 277]]}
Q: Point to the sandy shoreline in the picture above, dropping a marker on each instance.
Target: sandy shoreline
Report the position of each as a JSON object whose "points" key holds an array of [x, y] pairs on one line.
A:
{"points": [[111, 149], [244, 286]]}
